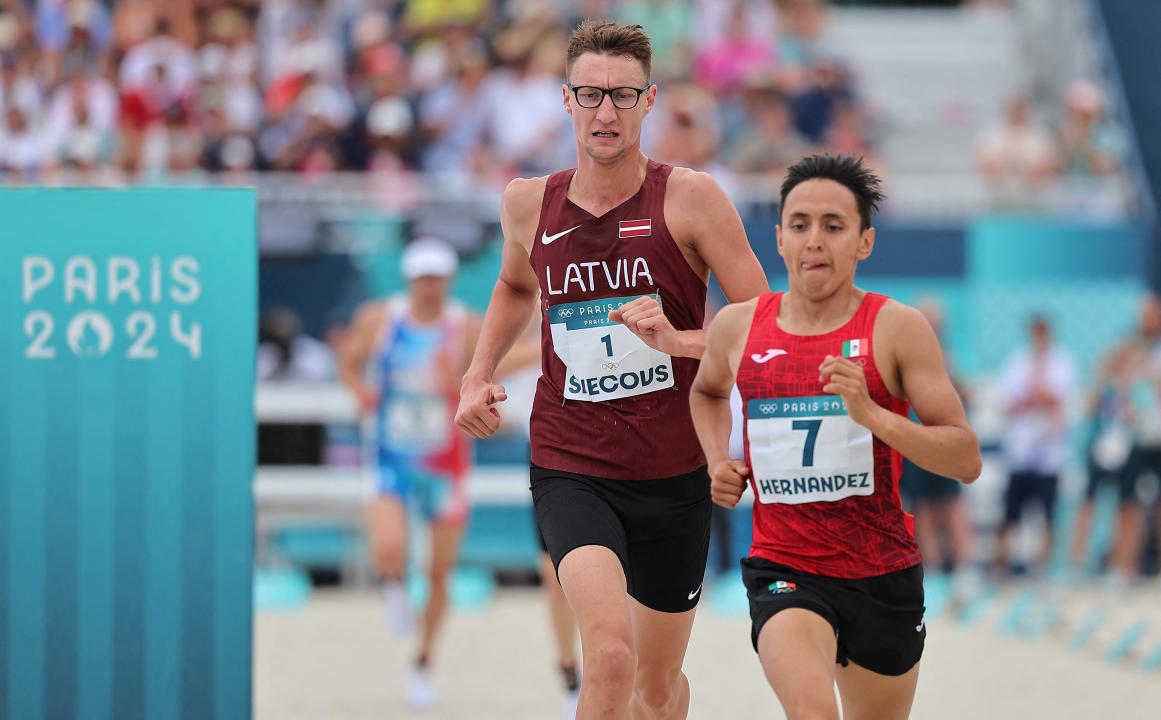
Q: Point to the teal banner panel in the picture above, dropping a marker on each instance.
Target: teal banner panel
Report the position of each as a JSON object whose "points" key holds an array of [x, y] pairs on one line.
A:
{"points": [[1087, 317], [1019, 250], [127, 342]]}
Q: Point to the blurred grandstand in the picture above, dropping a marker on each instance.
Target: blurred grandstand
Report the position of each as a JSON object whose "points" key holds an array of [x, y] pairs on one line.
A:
{"points": [[394, 106], [1005, 131]]}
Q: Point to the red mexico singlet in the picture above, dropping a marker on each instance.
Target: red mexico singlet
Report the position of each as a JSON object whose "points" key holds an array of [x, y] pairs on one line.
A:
{"points": [[606, 403], [826, 491]]}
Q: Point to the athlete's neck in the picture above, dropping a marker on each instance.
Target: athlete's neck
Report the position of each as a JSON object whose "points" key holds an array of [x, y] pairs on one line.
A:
{"points": [[801, 315], [426, 311], [599, 187]]}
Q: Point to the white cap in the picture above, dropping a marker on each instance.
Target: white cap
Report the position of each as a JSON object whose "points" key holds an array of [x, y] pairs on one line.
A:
{"points": [[1085, 96], [429, 256], [390, 116]]}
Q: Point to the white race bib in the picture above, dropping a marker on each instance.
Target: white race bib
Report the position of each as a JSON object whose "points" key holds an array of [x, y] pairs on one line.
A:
{"points": [[1147, 406], [603, 359], [807, 449], [415, 423], [1111, 448]]}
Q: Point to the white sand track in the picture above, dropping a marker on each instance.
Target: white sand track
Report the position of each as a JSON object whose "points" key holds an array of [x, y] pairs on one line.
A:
{"points": [[335, 659]]}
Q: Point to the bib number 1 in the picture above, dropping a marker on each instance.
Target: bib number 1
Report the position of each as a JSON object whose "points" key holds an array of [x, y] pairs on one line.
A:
{"points": [[604, 360]]}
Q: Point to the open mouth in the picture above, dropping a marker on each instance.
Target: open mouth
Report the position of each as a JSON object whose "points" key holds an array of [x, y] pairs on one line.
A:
{"points": [[606, 134]]}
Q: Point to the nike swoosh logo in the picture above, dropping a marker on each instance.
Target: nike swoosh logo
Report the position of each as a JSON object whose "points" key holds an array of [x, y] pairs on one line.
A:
{"points": [[770, 355], [546, 238], [919, 627], [693, 594]]}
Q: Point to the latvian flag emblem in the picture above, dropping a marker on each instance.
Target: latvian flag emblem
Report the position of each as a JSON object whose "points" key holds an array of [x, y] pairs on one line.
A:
{"points": [[636, 228], [854, 348]]}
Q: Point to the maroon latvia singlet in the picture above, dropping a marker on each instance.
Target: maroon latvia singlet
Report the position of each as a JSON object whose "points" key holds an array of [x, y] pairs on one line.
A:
{"points": [[606, 403], [826, 491]]}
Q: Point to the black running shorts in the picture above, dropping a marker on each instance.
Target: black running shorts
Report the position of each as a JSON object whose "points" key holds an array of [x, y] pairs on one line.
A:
{"points": [[1025, 486], [658, 528], [878, 621]]}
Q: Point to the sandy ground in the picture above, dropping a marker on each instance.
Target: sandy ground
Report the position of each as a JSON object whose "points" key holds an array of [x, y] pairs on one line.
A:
{"points": [[335, 658]]}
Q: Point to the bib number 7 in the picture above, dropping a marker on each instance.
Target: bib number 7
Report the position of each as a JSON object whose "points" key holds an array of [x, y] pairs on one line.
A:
{"points": [[807, 449], [811, 427]]}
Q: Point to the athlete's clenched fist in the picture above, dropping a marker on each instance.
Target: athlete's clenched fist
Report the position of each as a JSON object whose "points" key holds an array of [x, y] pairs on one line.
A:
{"points": [[844, 378], [477, 415], [728, 482], [645, 319]]}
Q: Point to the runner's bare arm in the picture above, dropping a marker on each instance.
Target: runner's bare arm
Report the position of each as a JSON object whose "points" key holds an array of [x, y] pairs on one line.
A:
{"points": [[525, 351], [707, 229], [356, 350], [472, 325], [705, 219], [459, 364], [512, 302], [942, 441], [709, 400]]}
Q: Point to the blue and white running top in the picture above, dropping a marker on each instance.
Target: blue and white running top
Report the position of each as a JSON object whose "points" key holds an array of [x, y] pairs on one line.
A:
{"points": [[417, 367]]}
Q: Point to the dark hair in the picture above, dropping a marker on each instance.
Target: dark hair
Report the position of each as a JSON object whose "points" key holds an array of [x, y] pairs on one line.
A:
{"points": [[604, 37], [1039, 321], [846, 170]]}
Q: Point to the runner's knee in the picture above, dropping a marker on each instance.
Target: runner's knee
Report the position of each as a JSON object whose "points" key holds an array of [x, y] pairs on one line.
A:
{"points": [[807, 710], [437, 577], [658, 690], [389, 554], [609, 660]]}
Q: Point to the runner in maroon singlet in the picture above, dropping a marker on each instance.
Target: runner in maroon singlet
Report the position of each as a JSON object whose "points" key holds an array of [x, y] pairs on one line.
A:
{"points": [[620, 250], [826, 373]]}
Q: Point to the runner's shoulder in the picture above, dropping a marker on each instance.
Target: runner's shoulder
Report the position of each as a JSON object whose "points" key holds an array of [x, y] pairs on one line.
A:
{"points": [[690, 186], [743, 310], [734, 319], [371, 312], [694, 202], [522, 199], [902, 324]]}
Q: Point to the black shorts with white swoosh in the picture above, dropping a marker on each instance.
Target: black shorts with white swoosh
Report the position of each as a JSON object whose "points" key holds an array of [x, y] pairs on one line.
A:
{"points": [[878, 621], [659, 528]]}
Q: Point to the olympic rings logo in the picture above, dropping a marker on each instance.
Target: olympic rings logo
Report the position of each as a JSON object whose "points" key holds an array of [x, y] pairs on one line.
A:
{"points": [[610, 366], [564, 312], [767, 408]]}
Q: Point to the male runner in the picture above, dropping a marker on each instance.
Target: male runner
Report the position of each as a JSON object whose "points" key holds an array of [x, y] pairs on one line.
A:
{"points": [[620, 249], [418, 344], [826, 372], [521, 388]]}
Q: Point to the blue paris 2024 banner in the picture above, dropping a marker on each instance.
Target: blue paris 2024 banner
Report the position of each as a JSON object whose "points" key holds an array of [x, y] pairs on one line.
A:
{"points": [[127, 341]]}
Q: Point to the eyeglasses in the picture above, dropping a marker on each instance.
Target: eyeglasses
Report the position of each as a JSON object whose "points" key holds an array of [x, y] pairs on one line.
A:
{"points": [[624, 98]]}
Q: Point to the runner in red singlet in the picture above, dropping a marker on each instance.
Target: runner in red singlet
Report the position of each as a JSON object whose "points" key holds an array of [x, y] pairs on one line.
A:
{"points": [[620, 250], [826, 373]]}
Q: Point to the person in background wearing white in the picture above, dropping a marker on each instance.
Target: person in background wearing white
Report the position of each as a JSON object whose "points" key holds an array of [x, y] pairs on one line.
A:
{"points": [[1037, 384]]}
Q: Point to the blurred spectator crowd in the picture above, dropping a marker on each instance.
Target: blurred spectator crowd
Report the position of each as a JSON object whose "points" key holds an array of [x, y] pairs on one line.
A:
{"points": [[166, 91], [1103, 430], [1025, 156]]}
